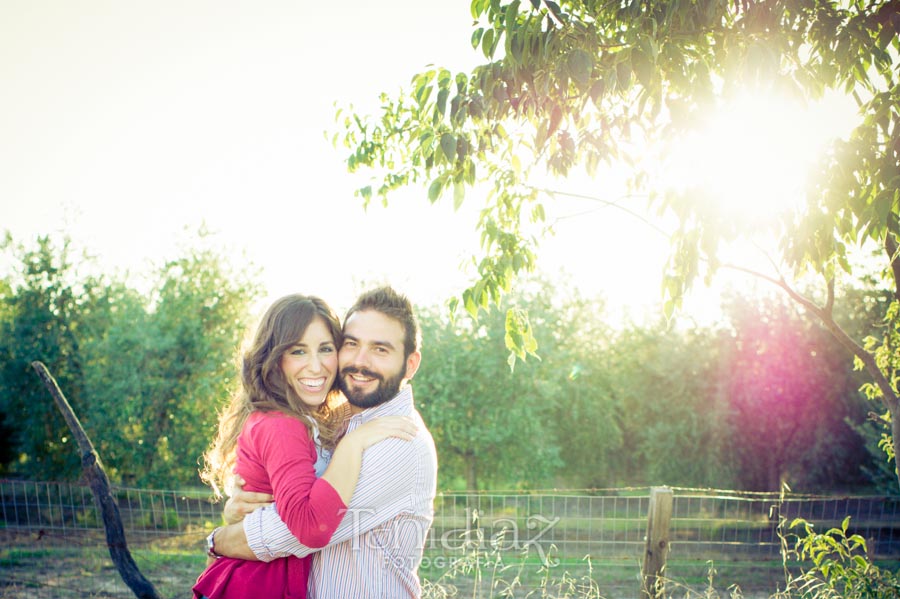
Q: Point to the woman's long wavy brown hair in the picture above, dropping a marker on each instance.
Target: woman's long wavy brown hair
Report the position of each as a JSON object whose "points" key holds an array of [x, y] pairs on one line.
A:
{"points": [[264, 387]]}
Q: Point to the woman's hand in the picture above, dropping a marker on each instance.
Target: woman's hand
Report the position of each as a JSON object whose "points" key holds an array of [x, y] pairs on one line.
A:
{"points": [[379, 429], [243, 502]]}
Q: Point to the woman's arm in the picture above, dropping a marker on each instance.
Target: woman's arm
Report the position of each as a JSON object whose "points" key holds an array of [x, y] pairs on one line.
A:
{"points": [[343, 470], [312, 507], [342, 475]]}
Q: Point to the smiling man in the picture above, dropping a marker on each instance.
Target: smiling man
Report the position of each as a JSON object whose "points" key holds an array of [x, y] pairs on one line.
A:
{"points": [[376, 550]]}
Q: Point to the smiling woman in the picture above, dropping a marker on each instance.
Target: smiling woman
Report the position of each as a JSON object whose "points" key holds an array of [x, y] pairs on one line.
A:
{"points": [[751, 157]]}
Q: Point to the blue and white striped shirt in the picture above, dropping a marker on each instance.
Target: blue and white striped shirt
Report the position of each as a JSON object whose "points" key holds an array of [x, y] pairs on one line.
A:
{"points": [[377, 548]]}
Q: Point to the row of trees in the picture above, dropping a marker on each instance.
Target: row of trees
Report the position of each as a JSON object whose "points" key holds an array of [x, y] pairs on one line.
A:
{"points": [[144, 373], [764, 398]]}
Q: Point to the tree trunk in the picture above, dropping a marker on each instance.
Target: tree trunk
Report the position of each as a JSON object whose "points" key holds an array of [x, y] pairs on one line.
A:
{"points": [[471, 472]]}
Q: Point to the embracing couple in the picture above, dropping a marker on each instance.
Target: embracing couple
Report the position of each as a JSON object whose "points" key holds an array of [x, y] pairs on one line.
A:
{"points": [[324, 425]]}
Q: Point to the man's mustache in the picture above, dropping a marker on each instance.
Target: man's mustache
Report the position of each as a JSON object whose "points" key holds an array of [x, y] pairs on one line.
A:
{"points": [[362, 371]]}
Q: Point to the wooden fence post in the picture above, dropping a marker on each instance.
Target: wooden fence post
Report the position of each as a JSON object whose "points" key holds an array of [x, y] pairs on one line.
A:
{"points": [[658, 518]]}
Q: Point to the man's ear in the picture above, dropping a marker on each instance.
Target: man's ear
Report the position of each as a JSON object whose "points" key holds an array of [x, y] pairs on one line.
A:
{"points": [[412, 364]]}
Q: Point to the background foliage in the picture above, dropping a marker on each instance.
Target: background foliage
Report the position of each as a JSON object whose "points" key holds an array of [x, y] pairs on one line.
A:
{"points": [[144, 374], [580, 84], [764, 397]]}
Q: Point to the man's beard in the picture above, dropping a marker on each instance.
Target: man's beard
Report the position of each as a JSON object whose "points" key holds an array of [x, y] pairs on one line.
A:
{"points": [[385, 391]]}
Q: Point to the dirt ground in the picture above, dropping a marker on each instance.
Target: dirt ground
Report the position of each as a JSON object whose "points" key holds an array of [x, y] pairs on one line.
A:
{"points": [[44, 566]]}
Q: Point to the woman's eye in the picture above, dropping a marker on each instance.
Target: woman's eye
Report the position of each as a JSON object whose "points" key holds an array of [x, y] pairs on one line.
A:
{"points": [[298, 352], [327, 349]]}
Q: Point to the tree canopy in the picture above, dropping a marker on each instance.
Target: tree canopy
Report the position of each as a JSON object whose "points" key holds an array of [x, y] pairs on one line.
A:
{"points": [[578, 83]]}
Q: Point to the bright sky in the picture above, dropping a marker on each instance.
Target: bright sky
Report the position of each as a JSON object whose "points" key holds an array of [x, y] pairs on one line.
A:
{"points": [[125, 123]]}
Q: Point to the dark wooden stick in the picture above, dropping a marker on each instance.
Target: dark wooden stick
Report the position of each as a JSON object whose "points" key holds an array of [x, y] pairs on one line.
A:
{"points": [[99, 482]]}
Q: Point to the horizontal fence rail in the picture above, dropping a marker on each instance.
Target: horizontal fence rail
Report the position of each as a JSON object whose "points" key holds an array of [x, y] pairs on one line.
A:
{"points": [[705, 523], [53, 543]]}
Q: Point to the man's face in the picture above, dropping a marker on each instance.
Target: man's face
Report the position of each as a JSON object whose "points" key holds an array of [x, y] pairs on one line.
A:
{"points": [[372, 364]]}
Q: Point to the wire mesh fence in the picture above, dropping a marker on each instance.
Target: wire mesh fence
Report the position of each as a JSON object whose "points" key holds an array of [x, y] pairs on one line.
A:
{"points": [[53, 543]]}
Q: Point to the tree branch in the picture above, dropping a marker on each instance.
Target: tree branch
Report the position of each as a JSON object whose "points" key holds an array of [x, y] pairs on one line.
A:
{"points": [[890, 246], [829, 301], [99, 483], [888, 396], [606, 203]]}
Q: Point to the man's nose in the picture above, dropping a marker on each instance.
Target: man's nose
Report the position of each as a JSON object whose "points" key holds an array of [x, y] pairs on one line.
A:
{"points": [[358, 358]]}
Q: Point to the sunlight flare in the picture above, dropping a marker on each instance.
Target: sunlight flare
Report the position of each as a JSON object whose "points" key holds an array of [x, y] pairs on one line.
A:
{"points": [[753, 154]]}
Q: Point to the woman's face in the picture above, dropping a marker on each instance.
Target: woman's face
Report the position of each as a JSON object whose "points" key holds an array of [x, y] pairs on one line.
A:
{"points": [[311, 364]]}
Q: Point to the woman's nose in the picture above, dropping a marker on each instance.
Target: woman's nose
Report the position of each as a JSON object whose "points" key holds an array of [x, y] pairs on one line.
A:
{"points": [[315, 363]]}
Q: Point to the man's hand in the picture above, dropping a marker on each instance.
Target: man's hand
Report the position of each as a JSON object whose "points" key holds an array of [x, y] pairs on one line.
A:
{"points": [[243, 502], [230, 541]]}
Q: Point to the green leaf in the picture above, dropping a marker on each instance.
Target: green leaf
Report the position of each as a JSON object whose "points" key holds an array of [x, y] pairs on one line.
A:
{"points": [[444, 78], [882, 204], [426, 139], [423, 92], [512, 12], [598, 89], [649, 47], [519, 338], [487, 44], [462, 148], [516, 46], [469, 304], [461, 81], [441, 104], [435, 189], [476, 37], [623, 74], [459, 194], [580, 65], [454, 107], [555, 119], [644, 67], [448, 146]]}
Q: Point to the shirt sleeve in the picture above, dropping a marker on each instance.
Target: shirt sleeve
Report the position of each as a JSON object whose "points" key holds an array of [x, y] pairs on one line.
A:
{"points": [[310, 507], [385, 488]]}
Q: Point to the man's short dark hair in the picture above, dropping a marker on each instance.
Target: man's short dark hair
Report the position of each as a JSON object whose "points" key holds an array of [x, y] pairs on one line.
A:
{"points": [[394, 305]]}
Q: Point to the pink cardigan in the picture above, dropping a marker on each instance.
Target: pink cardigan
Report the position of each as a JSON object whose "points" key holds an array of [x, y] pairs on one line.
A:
{"points": [[276, 455]]}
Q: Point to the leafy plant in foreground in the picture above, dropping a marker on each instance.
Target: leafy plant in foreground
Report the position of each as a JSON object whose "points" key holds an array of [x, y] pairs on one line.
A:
{"points": [[841, 567]]}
